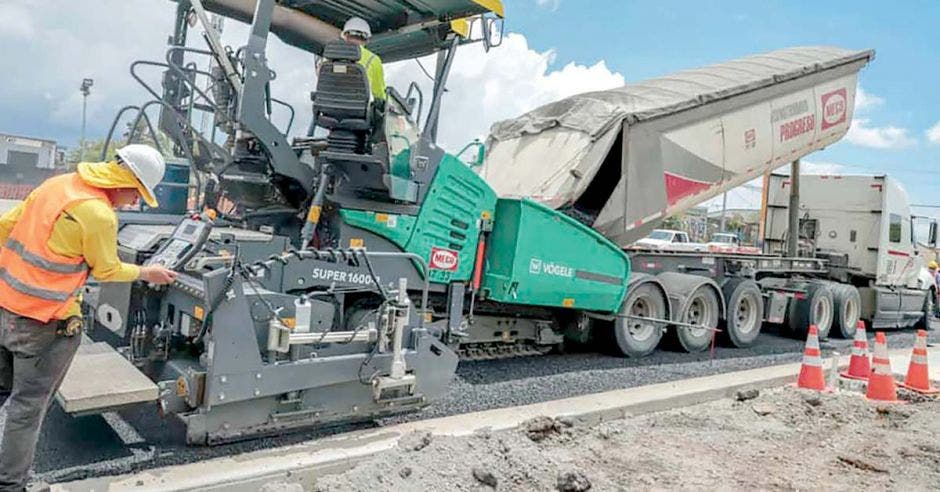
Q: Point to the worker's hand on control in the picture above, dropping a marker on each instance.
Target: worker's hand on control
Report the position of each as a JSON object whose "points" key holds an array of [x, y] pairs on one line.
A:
{"points": [[157, 275]]}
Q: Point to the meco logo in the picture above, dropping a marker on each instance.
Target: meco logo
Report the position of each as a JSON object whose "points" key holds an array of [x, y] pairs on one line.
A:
{"points": [[444, 259], [834, 108]]}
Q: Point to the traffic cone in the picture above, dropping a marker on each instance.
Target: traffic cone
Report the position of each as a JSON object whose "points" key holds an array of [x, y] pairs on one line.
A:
{"points": [[881, 385], [859, 363], [917, 378], [811, 372]]}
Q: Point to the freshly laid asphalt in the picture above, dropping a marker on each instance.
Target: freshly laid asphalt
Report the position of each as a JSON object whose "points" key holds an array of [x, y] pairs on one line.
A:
{"points": [[79, 447]]}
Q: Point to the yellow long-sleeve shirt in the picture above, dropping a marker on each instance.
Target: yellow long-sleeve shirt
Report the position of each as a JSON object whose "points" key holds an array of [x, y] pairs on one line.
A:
{"points": [[374, 71], [87, 229]]}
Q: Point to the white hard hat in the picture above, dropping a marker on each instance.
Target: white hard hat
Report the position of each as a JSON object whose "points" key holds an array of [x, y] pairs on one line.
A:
{"points": [[147, 165], [357, 26]]}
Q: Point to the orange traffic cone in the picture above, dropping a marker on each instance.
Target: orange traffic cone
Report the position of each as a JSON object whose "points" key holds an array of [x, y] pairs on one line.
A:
{"points": [[859, 363], [881, 385], [917, 378], [811, 373]]}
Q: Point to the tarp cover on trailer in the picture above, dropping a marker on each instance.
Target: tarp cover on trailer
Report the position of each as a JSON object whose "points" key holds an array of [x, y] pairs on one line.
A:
{"points": [[552, 153]]}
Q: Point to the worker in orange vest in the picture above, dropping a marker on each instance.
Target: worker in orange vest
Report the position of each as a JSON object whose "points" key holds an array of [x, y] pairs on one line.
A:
{"points": [[64, 230]]}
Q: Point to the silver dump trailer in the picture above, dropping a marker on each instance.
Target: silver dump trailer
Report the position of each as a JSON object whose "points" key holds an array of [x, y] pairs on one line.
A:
{"points": [[625, 159]]}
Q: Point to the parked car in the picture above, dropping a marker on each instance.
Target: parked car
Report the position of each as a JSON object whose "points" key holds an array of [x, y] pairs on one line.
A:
{"points": [[668, 240], [725, 242]]}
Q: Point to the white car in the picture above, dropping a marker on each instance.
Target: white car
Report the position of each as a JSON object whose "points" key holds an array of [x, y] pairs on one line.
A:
{"points": [[668, 240], [724, 242]]}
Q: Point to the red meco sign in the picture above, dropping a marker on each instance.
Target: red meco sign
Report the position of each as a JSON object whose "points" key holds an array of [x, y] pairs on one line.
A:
{"points": [[833, 108], [443, 259]]}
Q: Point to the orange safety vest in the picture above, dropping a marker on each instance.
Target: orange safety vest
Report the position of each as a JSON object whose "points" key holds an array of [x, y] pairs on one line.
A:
{"points": [[35, 282]]}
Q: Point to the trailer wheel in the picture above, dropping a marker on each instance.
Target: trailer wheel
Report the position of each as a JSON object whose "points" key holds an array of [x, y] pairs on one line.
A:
{"points": [[637, 337], [703, 309], [847, 307], [815, 309], [745, 312]]}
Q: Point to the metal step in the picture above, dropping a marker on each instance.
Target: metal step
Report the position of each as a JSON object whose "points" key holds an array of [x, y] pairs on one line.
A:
{"points": [[101, 380]]}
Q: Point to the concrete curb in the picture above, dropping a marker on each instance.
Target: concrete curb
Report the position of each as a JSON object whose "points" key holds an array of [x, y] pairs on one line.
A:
{"points": [[302, 463]]}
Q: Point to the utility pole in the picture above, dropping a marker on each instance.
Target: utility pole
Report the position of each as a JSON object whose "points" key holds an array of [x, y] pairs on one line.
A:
{"points": [[86, 89], [793, 237], [764, 195], [724, 210]]}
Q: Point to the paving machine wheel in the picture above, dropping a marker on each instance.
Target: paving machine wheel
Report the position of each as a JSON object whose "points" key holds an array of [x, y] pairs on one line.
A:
{"points": [[814, 309], [637, 337], [745, 312], [846, 310], [703, 308]]}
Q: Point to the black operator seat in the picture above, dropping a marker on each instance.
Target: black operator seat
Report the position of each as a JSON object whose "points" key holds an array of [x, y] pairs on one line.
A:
{"points": [[342, 105]]}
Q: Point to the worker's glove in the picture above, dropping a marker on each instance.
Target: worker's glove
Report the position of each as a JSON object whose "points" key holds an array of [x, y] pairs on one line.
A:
{"points": [[70, 327]]}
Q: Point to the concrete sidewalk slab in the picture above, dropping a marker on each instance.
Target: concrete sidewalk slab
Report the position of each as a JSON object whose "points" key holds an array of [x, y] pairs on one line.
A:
{"points": [[302, 463]]}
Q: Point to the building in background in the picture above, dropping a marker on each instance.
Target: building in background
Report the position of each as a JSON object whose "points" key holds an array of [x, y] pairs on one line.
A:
{"points": [[25, 162]]}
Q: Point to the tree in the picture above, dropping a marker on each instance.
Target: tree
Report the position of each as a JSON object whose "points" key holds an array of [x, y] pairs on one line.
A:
{"points": [[142, 135], [92, 152], [674, 222]]}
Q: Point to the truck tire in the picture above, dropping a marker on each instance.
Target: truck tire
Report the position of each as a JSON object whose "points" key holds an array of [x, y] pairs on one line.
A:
{"points": [[814, 309], [703, 308], [634, 337], [847, 307], [744, 313]]}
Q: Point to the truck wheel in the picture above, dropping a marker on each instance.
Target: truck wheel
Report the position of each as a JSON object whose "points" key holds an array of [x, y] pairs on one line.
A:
{"points": [[745, 312], [637, 337], [703, 309], [815, 309], [847, 307]]}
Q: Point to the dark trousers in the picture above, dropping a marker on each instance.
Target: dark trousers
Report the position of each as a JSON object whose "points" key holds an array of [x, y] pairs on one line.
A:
{"points": [[33, 361]]}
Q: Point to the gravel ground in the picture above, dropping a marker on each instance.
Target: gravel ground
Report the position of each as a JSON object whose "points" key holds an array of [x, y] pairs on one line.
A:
{"points": [[784, 439], [72, 448]]}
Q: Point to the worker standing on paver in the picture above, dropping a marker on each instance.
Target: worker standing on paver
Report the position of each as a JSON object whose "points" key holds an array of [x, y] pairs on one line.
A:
{"points": [[357, 31], [64, 229]]}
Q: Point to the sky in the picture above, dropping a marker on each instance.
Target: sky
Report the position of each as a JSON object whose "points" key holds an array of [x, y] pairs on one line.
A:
{"points": [[553, 49]]}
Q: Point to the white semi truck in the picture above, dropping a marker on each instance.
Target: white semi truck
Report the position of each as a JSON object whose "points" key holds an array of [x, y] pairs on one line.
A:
{"points": [[864, 229]]}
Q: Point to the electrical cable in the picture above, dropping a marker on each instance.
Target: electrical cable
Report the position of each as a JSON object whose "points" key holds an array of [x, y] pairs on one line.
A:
{"points": [[424, 70]]}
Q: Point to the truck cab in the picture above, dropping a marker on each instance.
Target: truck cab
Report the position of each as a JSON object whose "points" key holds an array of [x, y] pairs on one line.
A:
{"points": [[864, 227]]}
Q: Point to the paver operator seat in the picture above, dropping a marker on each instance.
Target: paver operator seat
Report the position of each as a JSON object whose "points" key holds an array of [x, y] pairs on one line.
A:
{"points": [[342, 105]]}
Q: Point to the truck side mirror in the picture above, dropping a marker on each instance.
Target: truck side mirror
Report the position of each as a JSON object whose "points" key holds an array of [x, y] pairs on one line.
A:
{"points": [[492, 32], [932, 240]]}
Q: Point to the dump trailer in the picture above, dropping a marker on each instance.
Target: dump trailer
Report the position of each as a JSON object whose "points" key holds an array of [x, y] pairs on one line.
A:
{"points": [[863, 227], [623, 160]]}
